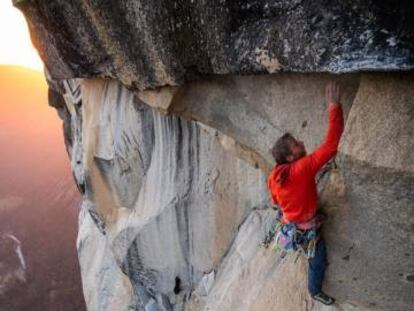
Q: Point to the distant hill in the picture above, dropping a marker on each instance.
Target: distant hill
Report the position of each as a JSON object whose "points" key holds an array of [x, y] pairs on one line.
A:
{"points": [[38, 200]]}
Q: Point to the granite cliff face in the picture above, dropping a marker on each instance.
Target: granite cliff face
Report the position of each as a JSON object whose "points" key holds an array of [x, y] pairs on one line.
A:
{"points": [[173, 179], [146, 44]]}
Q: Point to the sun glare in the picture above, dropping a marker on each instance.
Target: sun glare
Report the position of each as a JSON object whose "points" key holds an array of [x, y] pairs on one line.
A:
{"points": [[16, 47]]}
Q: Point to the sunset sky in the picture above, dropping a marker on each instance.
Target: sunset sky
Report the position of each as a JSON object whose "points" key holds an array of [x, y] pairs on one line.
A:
{"points": [[16, 47], [38, 197], [39, 202]]}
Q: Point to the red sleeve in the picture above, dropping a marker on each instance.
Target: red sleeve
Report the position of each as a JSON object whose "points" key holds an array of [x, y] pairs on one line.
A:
{"points": [[330, 144]]}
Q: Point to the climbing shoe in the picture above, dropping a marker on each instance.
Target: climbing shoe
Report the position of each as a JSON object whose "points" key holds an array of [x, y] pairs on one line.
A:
{"points": [[324, 298]]}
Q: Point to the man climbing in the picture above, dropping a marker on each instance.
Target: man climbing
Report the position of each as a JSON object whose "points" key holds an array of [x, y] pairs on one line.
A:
{"points": [[292, 186]]}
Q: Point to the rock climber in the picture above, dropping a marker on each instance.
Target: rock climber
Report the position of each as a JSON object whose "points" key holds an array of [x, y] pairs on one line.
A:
{"points": [[292, 186]]}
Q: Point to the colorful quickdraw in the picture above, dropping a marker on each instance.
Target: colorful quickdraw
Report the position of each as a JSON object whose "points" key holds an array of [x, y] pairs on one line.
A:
{"points": [[289, 238]]}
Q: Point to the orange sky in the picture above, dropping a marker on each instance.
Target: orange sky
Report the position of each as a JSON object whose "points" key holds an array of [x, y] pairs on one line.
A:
{"points": [[31, 136], [16, 47], [38, 197]]}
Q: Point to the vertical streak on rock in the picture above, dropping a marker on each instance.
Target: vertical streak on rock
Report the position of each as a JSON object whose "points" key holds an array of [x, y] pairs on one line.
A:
{"points": [[97, 188]]}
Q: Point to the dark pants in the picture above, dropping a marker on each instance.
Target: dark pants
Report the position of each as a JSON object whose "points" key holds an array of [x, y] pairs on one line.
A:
{"points": [[317, 266]]}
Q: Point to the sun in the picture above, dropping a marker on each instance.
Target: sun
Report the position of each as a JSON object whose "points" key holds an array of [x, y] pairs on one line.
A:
{"points": [[16, 47]]}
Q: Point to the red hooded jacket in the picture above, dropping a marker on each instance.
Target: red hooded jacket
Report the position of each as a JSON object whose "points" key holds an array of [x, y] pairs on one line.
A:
{"points": [[297, 194]]}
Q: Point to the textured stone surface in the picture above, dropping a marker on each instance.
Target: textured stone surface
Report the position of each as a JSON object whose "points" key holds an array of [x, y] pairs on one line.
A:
{"points": [[256, 110], [163, 194], [382, 115], [372, 199], [170, 197], [370, 234], [252, 278], [155, 43], [369, 198], [106, 287]]}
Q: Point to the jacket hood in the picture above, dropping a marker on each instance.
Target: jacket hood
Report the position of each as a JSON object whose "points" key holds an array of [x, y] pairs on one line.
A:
{"points": [[281, 173]]}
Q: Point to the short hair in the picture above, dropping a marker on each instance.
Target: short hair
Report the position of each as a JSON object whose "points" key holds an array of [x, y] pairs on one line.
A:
{"points": [[281, 149]]}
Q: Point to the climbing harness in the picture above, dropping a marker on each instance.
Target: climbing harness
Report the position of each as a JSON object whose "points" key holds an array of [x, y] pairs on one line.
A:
{"points": [[288, 237]]}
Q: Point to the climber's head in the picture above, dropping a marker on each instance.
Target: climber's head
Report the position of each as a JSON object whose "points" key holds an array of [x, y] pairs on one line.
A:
{"points": [[288, 149]]}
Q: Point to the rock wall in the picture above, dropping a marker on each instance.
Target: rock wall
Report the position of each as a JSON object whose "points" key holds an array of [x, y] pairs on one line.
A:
{"points": [[174, 179], [180, 207], [165, 196], [146, 44]]}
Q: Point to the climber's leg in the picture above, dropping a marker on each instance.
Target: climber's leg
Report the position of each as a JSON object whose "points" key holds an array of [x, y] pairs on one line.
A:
{"points": [[317, 266]]}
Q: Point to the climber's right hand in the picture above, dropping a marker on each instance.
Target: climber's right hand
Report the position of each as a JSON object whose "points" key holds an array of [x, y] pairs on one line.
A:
{"points": [[332, 93]]}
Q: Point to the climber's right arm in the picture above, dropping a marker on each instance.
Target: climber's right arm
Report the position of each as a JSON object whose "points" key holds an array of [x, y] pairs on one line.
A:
{"points": [[329, 147]]}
